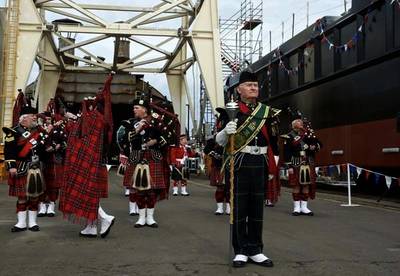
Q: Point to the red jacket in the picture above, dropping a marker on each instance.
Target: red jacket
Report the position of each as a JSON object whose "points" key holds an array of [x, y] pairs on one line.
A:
{"points": [[179, 153]]}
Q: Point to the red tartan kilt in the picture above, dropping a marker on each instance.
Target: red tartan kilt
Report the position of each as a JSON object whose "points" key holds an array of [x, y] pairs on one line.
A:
{"points": [[294, 178], [59, 168], [103, 181], [216, 177], [53, 175], [127, 182], [156, 172], [17, 186]]}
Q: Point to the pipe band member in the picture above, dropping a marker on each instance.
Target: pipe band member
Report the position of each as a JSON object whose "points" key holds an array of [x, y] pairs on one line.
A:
{"points": [[253, 162]]}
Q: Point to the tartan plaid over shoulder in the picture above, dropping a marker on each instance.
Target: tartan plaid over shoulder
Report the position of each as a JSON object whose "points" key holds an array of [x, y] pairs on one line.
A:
{"points": [[84, 180]]}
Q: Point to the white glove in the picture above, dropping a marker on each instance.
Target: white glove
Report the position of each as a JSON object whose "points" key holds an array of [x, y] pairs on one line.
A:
{"points": [[230, 127], [222, 137]]}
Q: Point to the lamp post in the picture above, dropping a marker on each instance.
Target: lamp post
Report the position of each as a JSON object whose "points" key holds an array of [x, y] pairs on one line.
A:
{"points": [[188, 120]]}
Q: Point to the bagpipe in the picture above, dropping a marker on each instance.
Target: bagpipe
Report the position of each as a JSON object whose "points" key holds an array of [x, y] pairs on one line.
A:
{"points": [[167, 123], [310, 138]]}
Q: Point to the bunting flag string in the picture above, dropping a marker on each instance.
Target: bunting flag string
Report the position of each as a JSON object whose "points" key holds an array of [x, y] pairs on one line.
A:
{"points": [[307, 54], [397, 2], [320, 25], [355, 170]]}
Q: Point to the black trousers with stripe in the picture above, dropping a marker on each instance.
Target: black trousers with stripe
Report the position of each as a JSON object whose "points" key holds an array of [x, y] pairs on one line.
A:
{"points": [[250, 176]]}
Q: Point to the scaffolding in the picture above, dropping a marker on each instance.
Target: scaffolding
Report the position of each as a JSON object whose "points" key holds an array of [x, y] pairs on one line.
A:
{"points": [[241, 45], [241, 37]]}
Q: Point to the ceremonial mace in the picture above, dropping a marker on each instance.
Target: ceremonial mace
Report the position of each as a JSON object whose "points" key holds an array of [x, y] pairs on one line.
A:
{"points": [[232, 109]]}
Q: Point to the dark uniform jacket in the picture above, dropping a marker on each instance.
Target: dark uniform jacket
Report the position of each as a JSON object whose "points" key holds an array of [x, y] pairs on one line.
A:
{"points": [[23, 147]]}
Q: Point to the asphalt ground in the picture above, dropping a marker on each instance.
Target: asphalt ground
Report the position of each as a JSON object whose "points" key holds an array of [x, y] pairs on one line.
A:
{"points": [[191, 240]]}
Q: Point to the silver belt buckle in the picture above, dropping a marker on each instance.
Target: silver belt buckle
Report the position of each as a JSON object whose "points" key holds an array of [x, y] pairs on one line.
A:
{"points": [[35, 158], [255, 150]]}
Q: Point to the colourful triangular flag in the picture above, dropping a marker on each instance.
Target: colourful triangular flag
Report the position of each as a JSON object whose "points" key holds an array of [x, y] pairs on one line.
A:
{"points": [[388, 181], [358, 171]]}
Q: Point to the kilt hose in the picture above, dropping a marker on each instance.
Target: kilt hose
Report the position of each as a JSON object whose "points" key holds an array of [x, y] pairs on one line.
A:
{"points": [[217, 180], [221, 194], [250, 176], [146, 199], [294, 180]]}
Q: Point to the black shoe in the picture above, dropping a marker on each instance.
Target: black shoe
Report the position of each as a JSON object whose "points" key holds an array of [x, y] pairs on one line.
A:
{"points": [[218, 214], [34, 228], [133, 214], [269, 205], [40, 215], [108, 229], [87, 235], [296, 214], [238, 263], [50, 215], [308, 214], [16, 229], [266, 263], [137, 225], [154, 225]]}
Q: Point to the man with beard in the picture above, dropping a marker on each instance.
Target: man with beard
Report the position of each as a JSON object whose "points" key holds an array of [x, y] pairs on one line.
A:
{"points": [[23, 150]]}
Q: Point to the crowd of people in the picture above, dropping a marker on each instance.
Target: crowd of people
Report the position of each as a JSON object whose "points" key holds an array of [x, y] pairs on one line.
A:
{"points": [[59, 156]]}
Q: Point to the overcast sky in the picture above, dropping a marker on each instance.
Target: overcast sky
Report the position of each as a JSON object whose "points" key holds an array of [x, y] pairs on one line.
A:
{"points": [[274, 13]]}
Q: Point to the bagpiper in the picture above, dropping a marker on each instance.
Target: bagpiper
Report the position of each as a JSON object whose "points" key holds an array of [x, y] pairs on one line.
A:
{"points": [[23, 150], [143, 144], [301, 145], [55, 123]]}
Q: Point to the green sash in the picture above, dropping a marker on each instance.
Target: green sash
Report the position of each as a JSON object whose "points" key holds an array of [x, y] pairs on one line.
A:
{"points": [[248, 130]]}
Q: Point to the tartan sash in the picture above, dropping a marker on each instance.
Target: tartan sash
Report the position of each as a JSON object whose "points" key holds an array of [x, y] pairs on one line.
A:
{"points": [[29, 144], [250, 128]]}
